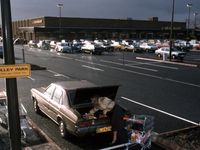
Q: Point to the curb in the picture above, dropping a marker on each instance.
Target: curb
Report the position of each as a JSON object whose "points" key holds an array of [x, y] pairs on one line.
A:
{"points": [[167, 62], [49, 145]]}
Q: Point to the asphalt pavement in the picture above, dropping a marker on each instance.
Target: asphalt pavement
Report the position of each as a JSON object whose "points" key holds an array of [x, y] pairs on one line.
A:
{"points": [[171, 88]]}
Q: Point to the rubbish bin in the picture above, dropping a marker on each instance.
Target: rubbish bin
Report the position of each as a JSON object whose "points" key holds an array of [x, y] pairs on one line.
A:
{"points": [[164, 56]]}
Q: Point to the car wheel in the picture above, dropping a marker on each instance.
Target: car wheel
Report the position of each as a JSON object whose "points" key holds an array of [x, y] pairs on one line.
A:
{"points": [[173, 56], [62, 128], [36, 107], [159, 55]]}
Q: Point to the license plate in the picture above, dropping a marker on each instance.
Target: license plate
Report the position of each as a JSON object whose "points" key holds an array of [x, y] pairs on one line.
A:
{"points": [[104, 129]]}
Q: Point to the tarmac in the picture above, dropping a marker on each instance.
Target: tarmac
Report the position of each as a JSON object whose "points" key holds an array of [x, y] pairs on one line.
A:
{"points": [[47, 143]]}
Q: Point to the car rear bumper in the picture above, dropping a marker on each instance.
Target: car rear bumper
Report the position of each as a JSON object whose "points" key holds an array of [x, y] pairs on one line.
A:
{"points": [[93, 130]]}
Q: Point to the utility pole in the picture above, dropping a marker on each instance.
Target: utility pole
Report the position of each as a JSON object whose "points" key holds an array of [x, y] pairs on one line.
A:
{"points": [[60, 6], [195, 23], [189, 5], [171, 31], [11, 83]]}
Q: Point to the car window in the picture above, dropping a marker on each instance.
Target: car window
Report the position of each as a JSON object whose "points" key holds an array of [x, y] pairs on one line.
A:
{"points": [[49, 91], [57, 96]]}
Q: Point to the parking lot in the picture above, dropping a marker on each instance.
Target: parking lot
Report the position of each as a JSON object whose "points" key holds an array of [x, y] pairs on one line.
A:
{"points": [[164, 90]]}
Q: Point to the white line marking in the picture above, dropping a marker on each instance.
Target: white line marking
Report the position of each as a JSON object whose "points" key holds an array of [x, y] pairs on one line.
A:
{"points": [[23, 108], [143, 74], [151, 64], [161, 111], [31, 78], [58, 74], [92, 68], [62, 56], [167, 62], [132, 66]]}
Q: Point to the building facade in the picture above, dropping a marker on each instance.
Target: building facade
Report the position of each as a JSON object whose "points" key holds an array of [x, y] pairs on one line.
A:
{"points": [[55, 28]]}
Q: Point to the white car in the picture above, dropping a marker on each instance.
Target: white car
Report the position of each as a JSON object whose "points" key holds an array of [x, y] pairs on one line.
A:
{"points": [[88, 47], [63, 48], [174, 53], [149, 47], [53, 44]]}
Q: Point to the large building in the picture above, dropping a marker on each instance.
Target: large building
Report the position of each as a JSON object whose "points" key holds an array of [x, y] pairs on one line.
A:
{"points": [[54, 28]]}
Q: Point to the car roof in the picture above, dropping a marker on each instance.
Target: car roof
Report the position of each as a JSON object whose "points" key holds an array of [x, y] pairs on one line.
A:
{"points": [[78, 84]]}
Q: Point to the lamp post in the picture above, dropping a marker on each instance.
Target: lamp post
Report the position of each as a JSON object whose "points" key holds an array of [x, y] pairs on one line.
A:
{"points": [[189, 5], [171, 30], [60, 6], [195, 20]]}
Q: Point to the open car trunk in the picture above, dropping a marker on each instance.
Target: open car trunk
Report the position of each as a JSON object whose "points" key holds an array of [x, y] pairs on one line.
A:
{"points": [[82, 103]]}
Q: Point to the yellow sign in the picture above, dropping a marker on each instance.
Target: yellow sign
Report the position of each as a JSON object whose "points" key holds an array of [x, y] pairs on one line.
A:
{"points": [[13, 71]]}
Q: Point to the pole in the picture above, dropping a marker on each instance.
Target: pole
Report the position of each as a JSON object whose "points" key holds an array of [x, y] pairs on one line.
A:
{"points": [[195, 21], [171, 31], [23, 54], [11, 84], [189, 5], [60, 7]]}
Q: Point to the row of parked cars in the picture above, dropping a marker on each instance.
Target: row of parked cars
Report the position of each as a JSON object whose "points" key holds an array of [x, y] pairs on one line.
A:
{"points": [[100, 46]]}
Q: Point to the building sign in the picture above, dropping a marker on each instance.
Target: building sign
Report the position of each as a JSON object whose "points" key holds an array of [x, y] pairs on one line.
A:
{"points": [[13, 71], [38, 21]]}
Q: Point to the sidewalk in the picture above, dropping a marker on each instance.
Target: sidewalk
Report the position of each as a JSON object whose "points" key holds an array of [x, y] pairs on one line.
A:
{"points": [[45, 143]]}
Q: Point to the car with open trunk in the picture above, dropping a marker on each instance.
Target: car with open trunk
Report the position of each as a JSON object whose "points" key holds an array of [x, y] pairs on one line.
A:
{"points": [[68, 104]]}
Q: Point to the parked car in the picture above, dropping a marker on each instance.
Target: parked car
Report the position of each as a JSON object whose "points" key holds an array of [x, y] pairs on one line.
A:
{"points": [[149, 47], [32, 44], [88, 48], [76, 48], [1, 51], [53, 44], [44, 44], [176, 54], [63, 47], [134, 48], [68, 104]]}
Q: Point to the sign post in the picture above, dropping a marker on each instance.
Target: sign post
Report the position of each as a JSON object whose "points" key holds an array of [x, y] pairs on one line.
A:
{"points": [[11, 83], [13, 71]]}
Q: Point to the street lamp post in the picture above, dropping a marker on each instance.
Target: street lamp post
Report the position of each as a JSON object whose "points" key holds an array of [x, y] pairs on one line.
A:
{"points": [[195, 20], [60, 6], [189, 5], [195, 23], [171, 31]]}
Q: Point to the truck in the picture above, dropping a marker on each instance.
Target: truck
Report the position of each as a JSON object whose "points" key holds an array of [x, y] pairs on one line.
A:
{"points": [[68, 104]]}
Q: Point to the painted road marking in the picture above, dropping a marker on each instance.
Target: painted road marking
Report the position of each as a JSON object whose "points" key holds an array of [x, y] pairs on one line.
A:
{"points": [[151, 64], [132, 66], [161, 111], [93, 68], [62, 56], [168, 62], [58, 74], [143, 74], [31, 78], [23, 108]]}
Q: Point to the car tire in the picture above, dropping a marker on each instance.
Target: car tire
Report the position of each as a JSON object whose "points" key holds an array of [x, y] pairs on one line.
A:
{"points": [[173, 57], [62, 129], [36, 107], [159, 55]]}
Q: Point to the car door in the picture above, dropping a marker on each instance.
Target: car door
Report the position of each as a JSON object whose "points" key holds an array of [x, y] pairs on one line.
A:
{"points": [[44, 103], [55, 103]]}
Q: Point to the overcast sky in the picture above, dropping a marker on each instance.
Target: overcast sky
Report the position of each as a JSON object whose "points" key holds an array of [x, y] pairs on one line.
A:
{"points": [[115, 9]]}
